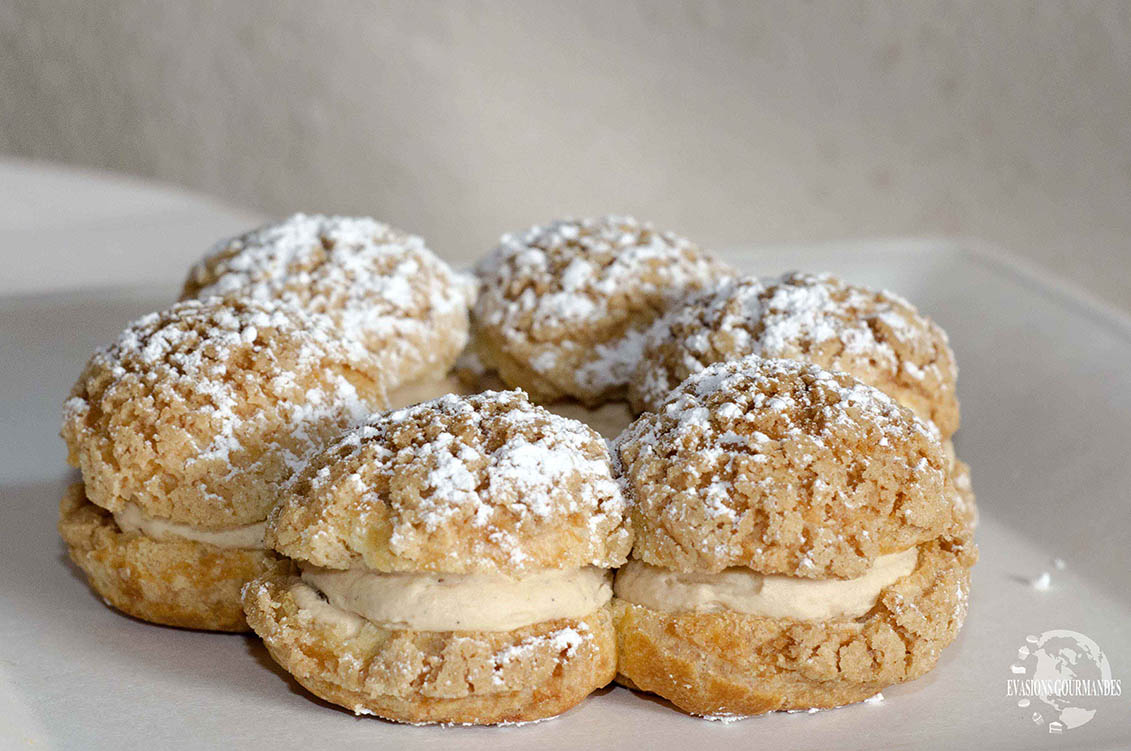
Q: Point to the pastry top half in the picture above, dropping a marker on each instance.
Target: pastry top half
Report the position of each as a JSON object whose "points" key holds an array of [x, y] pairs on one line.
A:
{"points": [[376, 283], [783, 468], [197, 413], [876, 336], [480, 484], [571, 301]]}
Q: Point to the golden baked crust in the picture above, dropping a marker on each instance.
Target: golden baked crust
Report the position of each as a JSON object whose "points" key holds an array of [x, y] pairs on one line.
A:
{"points": [[729, 663], [785, 468], [430, 676], [180, 583], [877, 337], [197, 413], [562, 309], [484, 483], [376, 283]]}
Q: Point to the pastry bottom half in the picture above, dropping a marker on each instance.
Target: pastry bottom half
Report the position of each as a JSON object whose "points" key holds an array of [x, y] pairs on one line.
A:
{"points": [[175, 583], [457, 677], [726, 663]]}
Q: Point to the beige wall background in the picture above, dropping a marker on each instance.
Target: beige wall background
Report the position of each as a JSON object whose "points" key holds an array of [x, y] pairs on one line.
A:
{"points": [[734, 123]]}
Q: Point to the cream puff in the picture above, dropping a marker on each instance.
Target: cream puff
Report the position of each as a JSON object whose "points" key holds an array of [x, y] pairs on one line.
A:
{"points": [[875, 336], [562, 309], [799, 542], [453, 565], [375, 283], [184, 430]]}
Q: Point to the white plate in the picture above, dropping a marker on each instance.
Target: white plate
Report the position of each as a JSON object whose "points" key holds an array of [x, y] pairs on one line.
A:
{"points": [[1046, 397]]}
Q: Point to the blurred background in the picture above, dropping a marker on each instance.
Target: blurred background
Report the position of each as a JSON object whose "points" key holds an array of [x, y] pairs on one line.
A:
{"points": [[734, 123]]}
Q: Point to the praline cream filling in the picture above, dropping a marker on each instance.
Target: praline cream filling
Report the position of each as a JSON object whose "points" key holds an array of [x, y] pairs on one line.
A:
{"points": [[452, 602], [130, 518], [745, 591]]}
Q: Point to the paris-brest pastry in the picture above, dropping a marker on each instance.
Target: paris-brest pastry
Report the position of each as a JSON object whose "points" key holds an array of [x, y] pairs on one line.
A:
{"points": [[453, 565], [799, 542], [184, 430]]}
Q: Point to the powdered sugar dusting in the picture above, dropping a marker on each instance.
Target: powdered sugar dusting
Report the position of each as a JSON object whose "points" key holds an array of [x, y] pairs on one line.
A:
{"points": [[197, 364], [877, 336], [724, 423], [380, 285], [565, 641], [477, 480]]}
